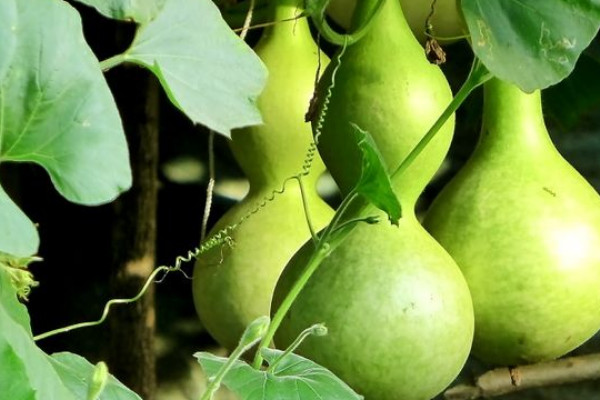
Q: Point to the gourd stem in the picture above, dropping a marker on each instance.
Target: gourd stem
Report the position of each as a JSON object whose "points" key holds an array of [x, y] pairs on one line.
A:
{"points": [[113, 61], [306, 209], [215, 382], [322, 250], [340, 39], [478, 76], [303, 335]]}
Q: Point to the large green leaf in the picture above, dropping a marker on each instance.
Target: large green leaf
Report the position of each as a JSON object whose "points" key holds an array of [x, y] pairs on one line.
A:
{"points": [[127, 10], [207, 71], [293, 378], [27, 373], [531, 43], [55, 110]]}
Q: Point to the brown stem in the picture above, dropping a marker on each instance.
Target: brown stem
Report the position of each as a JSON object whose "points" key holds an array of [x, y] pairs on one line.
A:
{"points": [[505, 380], [131, 355]]}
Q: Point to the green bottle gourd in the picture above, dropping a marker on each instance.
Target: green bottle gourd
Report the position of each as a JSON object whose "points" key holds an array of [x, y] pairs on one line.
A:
{"points": [[397, 309], [233, 286], [524, 227]]}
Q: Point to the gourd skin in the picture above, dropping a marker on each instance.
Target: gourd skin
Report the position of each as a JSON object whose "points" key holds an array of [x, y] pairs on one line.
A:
{"points": [[386, 86], [233, 286], [524, 227], [397, 308]]}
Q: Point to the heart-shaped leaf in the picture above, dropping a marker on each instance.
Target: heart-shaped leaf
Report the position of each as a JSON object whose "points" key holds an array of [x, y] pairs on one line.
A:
{"points": [[293, 378], [140, 11], [56, 110], [207, 71]]}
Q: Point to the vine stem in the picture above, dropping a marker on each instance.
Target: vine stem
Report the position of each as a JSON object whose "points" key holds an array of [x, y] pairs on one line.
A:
{"points": [[107, 307], [317, 329], [248, 20], [332, 36], [210, 186], [322, 250], [113, 61], [478, 75], [220, 238], [311, 228], [253, 333]]}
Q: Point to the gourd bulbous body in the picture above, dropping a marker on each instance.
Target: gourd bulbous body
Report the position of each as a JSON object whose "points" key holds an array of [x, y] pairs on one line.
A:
{"points": [[233, 285], [524, 227], [397, 308]]}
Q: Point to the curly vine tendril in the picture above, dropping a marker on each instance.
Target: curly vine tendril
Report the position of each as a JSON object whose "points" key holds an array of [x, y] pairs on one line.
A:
{"points": [[223, 237]]}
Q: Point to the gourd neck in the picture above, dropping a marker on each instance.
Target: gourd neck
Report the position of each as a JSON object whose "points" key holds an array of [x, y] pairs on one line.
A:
{"points": [[512, 119], [390, 18], [285, 15], [276, 150]]}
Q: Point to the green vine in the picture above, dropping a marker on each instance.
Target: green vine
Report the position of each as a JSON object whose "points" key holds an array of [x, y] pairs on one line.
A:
{"points": [[221, 238], [332, 36]]}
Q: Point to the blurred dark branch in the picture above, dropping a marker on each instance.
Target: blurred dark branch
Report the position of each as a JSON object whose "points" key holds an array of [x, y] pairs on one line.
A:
{"points": [[505, 380]]}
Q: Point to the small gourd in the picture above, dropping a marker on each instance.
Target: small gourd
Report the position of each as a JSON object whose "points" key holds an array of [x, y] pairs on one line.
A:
{"points": [[524, 227], [397, 309], [233, 285]]}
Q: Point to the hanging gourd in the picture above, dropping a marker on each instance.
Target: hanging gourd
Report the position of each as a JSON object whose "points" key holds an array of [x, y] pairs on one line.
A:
{"points": [[233, 285], [524, 227], [397, 309]]}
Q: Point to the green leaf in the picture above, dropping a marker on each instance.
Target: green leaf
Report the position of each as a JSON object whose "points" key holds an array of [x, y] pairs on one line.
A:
{"points": [[374, 183], [56, 110], [140, 11], [294, 377], [26, 372], [76, 373], [207, 71], [18, 235], [531, 43]]}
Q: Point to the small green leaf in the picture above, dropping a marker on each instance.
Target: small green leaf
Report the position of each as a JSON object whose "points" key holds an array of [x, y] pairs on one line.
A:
{"points": [[254, 331], [293, 378], [374, 183], [207, 71], [531, 43], [98, 381], [9, 303], [56, 110], [140, 11], [20, 277]]}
